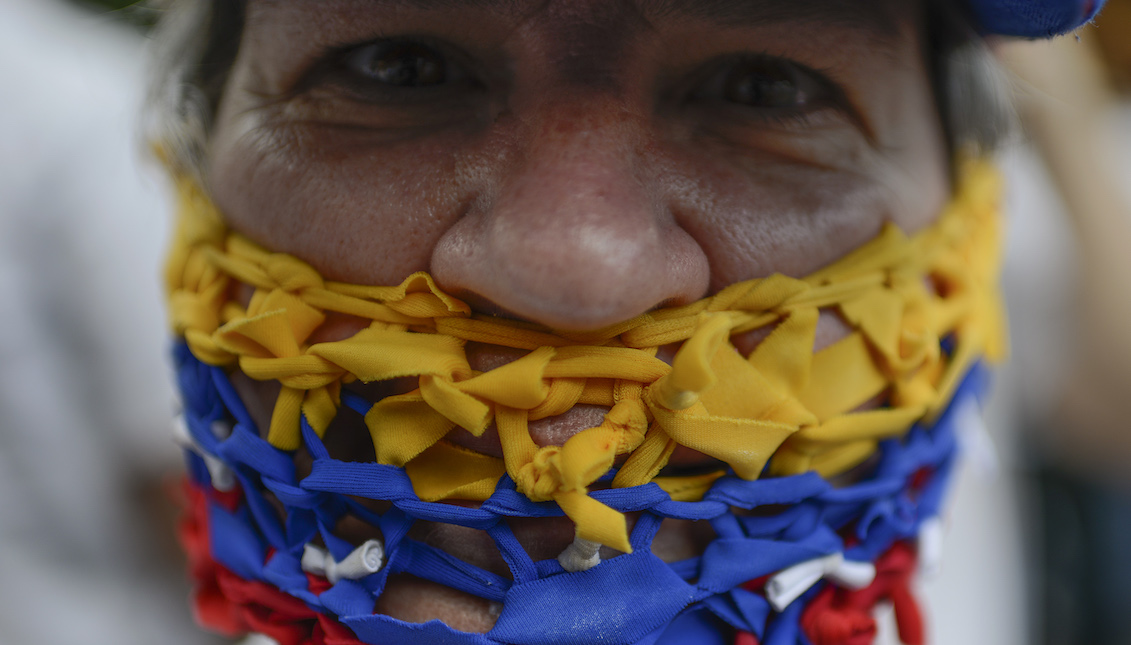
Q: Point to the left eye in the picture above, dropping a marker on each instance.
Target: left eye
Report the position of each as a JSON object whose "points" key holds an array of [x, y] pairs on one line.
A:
{"points": [[763, 82], [399, 63]]}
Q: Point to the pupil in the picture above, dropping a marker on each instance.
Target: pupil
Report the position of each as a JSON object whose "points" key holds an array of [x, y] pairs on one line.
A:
{"points": [[763, 86], [407, 65]]}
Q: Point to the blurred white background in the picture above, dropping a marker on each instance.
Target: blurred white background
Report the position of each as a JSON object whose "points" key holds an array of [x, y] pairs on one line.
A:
{"points": [[86, 553]]}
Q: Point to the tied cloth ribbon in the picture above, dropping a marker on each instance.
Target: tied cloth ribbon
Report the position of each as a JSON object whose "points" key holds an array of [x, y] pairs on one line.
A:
{"points": [[784, 409]]}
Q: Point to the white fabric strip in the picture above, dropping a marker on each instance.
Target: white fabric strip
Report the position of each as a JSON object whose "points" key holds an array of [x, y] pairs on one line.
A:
{"points": [[581, 555], [789, 584], [362, 561]]}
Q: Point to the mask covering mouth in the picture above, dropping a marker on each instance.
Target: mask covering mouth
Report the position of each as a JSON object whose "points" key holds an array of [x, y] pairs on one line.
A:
{"points": [[791, 550]]}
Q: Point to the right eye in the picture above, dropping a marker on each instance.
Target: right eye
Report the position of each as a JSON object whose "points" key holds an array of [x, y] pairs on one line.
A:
{"points": [[770, 83], [766, 86], [400, 63]]}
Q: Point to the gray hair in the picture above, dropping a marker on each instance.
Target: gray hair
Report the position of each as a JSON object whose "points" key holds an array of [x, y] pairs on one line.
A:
{"points": [[193, 48], [196, 42]]}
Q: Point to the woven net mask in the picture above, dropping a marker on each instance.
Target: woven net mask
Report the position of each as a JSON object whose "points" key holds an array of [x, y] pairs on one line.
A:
{"points": [[923, 310]]}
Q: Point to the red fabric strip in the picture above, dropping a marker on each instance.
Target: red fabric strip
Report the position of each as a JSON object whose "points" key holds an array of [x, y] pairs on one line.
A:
{"points": [[232, 606]]}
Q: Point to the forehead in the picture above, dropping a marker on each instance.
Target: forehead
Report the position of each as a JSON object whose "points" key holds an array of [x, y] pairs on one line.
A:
{"points": [[877, 14], [882, 17]]}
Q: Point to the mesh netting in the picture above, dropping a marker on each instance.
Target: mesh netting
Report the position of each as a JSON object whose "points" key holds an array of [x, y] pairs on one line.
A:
{"points": [[777, 540]]}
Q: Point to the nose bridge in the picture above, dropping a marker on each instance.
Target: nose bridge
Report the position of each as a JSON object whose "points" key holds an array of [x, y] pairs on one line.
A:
{"points": [[588, 121], [582, 161], [574, 233]]}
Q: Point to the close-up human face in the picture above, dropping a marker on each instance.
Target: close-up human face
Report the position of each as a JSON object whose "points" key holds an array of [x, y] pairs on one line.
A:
{"points": [[563, 322], [574, 163]]}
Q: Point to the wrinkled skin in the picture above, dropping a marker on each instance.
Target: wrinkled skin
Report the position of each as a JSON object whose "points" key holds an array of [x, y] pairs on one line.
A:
{"points": [[573, 163]]}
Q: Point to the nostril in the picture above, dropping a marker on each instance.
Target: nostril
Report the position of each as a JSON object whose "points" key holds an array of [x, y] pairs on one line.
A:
{"points": [[601, 276], [481, 305], [576, 295]]}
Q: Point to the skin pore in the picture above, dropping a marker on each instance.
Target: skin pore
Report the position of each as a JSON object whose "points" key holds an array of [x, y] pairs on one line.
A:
{"points": [[573, 163]]}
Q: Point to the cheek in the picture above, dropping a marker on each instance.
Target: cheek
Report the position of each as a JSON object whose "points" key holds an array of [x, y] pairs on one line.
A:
{"points": [[784, 218], [357, 212], [372, 216]]}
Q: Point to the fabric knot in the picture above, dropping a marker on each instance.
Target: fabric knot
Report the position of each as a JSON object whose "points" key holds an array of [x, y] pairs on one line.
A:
{"points": [[292, 274], [628, 420], [838, 616], [840, 626], [563, 474], [540, 479]]}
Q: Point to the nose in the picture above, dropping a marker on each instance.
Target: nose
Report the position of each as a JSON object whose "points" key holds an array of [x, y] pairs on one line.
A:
{"points": [[574, 232]]}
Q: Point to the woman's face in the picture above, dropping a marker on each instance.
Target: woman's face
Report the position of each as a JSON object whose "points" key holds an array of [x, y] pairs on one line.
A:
{"points": [[574, 163]]}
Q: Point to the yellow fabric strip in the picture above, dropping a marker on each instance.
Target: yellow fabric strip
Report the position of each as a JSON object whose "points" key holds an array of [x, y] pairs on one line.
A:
{"points": [[445, 472], [843, 377]]}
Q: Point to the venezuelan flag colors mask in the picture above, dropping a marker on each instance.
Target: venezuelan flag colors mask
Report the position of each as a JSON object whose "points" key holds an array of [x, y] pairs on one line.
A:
{"points": [[792, 553]]}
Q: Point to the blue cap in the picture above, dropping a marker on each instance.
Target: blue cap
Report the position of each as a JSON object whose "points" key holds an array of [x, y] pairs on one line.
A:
{"points": [[1033, 18]]}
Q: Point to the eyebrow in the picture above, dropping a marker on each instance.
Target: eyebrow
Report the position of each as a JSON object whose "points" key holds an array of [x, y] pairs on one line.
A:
{"points": [[876, 15], [879, 16]]}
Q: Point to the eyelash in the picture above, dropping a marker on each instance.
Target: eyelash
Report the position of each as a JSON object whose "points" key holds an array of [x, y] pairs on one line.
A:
{"points": [[332, 68], [791, 120], [820, 93]]}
